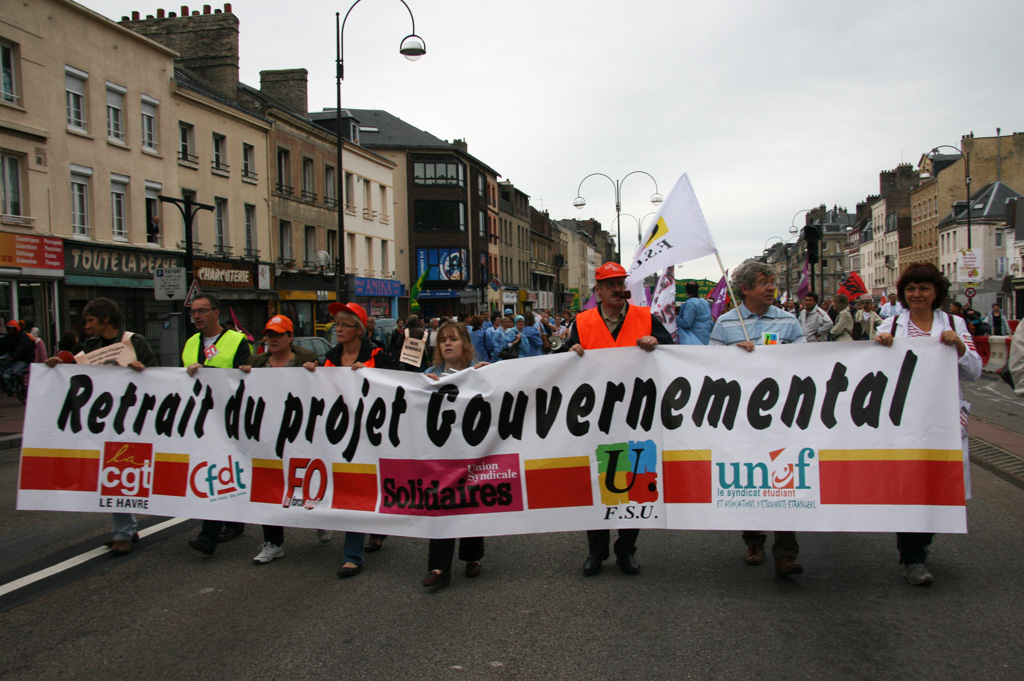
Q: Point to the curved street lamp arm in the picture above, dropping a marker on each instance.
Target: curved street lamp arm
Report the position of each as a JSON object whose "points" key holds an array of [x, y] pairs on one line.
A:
{"points": [[341, 33], [645, 173], [604, 176]]}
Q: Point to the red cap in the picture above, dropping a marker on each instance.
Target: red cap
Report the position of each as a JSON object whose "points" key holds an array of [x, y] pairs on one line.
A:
{"points": [[14, 323], [351, 308], [610, 270], [280, 324]]}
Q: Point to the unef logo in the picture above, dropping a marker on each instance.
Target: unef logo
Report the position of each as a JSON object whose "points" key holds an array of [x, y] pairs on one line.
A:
{"points": [[782, 476], [127, 469], [208, 481], [627, 473]]}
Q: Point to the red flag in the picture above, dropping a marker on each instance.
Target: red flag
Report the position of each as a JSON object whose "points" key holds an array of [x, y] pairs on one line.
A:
{"points": [[853, 286]]}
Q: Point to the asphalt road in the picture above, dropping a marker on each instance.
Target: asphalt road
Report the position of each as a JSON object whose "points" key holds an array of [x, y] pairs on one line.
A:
{"points": [[694, 612], [994, 402]]}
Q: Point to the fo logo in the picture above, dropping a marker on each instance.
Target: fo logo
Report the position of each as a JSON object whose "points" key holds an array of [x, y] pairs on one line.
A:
{"points": [[780, 476], [127, 469], [627, 472]]}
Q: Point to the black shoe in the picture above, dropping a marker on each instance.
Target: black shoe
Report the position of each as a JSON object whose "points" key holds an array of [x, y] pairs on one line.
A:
{"points": [[350, 571], [229, 533], [628, 564], [591, 566], [437, 580], [375, 544], [110, 542], [202, 547]]}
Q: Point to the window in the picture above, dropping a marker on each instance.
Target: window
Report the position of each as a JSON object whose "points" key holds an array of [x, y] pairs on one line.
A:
{"points": [[369, 250], [383, 204], [220, 226], [284, 229], [250, 230], [439, 216], [284, 174], [439, 171], [480, 184], [385, 264], [999, 239], [187, 143], [119, 206], [8, 77], [308, 181], [153, 212], [149, 123], [80, 177], [350, 183], [310, 244], [350, 251], [74, 87], [10, 179], [220, 159], [248, 161], [482, 224], [115, 112], [367, 200], [330, 186]]}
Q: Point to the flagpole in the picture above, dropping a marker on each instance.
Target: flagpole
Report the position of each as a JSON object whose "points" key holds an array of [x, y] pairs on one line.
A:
{"points": [[732, 295]]}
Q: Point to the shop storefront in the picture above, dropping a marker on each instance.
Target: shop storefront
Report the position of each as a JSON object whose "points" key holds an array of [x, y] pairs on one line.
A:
{"points": [[125, 275], [378, 296], [304, 297], [510, 299], [31, 268], [245, 290]]}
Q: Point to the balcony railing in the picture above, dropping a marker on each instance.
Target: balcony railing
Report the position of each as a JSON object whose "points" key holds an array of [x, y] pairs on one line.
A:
{"points": [[220, 165], [285, 189], [187, 157]]}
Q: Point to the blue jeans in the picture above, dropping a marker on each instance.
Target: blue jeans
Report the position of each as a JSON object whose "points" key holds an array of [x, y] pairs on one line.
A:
{"points": [[124, 525], [354, 547]]}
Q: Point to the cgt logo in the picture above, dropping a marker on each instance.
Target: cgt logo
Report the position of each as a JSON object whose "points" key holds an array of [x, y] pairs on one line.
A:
{"points": [[757, 476], [127, 469], [207, 480], [627, 474]]}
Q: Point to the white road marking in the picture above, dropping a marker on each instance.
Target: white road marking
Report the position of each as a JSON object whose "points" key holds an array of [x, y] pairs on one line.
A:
{"points": [[78, 560]]}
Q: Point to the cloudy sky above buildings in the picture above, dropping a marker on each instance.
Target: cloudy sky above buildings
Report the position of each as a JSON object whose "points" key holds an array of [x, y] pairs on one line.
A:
{"points": [[770, 106]]}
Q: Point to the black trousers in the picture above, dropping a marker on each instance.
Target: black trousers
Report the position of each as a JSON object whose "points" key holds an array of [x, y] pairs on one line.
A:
{"points": [[211, 530], [625, 545], [913, 546], [785, 542], [441, 552]]}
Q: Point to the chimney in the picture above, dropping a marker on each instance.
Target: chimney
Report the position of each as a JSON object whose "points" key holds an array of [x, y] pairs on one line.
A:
{"points": [[207, 43], [287, 86], [461, 144]]}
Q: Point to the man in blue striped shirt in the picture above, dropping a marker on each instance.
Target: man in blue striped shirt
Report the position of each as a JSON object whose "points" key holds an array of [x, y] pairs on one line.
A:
{"points": [[753, 283]]}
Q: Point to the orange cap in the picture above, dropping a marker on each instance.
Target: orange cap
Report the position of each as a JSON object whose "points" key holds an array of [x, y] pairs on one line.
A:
{"points": [[610, 270], [280, 324]]}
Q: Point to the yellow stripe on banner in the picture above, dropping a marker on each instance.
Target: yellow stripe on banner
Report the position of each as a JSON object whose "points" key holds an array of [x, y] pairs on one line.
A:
{"points": [[890, 455], [62, 453], [362, 468], [564, 462], [268, 463], [686, 455], [167, 457]]}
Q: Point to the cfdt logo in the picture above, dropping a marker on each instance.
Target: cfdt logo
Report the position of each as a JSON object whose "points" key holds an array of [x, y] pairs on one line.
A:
{"points": [[208, 481], [784, 478], [127, 469], [627, 474]]}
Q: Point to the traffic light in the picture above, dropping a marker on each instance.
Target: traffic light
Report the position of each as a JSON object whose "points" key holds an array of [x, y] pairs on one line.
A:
{"points": [[812, 235]]}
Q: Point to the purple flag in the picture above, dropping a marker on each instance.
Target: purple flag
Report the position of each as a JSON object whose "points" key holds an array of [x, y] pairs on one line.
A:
{"points": [[592, 303], [718, 297], [805, 282]]}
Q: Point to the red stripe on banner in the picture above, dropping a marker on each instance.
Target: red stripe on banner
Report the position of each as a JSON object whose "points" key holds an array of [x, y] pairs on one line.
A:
{"points": [[687, 482], [355, 491], [63, 473], [559, 487], [914, 482], [267, 484], [170, 478]]}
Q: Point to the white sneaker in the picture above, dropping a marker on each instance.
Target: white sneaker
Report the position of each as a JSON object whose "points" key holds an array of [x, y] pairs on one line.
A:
{"points": [[268, 552], [324, 535], [918, 575]]}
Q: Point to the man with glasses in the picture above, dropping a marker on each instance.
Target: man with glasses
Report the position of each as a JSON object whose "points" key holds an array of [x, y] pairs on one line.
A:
{"points": [[614, 323], [754, 284], [216, 347]]}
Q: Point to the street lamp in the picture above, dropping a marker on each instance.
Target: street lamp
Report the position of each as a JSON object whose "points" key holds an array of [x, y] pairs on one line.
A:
{"points": [[967, 181], [412, 48], [188, 209], [640, 224], [580, 202]]}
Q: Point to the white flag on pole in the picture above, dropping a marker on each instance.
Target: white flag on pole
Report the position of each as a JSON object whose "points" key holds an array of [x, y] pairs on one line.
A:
{"points": [[677, 234]]}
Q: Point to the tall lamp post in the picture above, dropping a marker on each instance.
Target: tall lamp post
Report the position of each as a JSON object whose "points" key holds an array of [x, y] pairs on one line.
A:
{"points": [[967, 182], [412, 48], [580, 202], [640, 224], [188, 209]]}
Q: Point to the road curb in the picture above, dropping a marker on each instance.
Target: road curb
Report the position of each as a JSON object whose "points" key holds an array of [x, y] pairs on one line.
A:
{"points": [[10, 441], [1002, 463]]}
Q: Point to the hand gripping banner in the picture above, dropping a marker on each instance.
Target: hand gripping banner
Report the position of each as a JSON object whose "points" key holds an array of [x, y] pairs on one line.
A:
{"points": [[797, 437]]}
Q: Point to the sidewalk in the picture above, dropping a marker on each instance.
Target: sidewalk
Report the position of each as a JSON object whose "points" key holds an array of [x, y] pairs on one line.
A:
{"points": [[994, 435]]}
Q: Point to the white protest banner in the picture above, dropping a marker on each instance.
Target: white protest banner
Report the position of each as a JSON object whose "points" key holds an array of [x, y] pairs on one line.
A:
{"points": [[799, 437]]}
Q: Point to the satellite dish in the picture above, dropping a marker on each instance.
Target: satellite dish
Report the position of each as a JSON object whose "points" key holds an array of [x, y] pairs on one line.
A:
{"points": [[323, 258]]}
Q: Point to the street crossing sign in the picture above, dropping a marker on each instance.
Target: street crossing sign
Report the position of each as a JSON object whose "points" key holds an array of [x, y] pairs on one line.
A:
{"points": [[193, 293]]}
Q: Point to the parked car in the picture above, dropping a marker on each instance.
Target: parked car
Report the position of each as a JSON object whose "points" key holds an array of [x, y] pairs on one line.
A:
{"points": [[315, 344]]}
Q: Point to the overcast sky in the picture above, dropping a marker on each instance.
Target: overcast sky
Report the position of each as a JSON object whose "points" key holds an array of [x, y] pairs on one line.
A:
{"points": [[770, 106]]}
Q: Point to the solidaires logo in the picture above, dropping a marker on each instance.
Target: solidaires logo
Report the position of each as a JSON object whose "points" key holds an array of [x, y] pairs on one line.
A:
{"points": [[627, 472]]}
